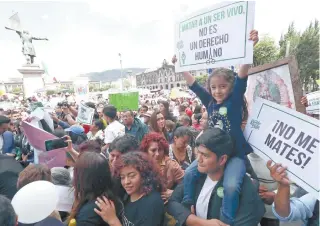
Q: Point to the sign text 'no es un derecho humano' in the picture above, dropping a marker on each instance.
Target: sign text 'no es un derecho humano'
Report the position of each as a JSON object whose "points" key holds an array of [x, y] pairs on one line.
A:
{"points": [[288, 137], [214, 37]]}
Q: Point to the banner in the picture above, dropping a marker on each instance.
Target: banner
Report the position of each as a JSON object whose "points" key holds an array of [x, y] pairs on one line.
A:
{"points": [[85, 114], [313, 103], [288, 137], [214, 37], [125, 101], [36, 138]]}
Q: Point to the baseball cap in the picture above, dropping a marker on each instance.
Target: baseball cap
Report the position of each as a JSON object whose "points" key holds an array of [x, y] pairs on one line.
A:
{"points": [[76, 129], [217, 141]]}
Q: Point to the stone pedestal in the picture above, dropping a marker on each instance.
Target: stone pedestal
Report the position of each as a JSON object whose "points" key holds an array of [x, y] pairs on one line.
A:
{"points": [[32, 79]]}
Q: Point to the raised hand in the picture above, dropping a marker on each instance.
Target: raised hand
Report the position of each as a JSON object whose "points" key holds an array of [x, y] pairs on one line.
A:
{"points": [[254, 36], [278, 173]]}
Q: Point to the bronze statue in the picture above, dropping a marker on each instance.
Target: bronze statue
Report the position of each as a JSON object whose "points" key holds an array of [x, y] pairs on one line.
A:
{"points": [[26, 38]]}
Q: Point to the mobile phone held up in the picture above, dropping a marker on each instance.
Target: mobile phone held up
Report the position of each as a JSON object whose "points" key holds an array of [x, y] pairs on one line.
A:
{"points": [[56, 144]]}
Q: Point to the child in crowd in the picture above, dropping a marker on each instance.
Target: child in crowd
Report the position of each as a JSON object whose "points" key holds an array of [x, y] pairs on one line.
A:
{"points": [[226, 108]]}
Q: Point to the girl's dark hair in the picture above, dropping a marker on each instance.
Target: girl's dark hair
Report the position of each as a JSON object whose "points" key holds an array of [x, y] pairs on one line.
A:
{"points": [[154, 124], [197, 109], [229, 76], [124, 144], [182, 131], [149, 172], [99, 124], [92, 179], [167, 114], [91, 146]]}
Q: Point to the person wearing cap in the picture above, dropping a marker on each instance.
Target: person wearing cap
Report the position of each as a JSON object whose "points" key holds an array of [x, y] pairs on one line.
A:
{"points": [[114, 128], [215, 148], [76, 133]]}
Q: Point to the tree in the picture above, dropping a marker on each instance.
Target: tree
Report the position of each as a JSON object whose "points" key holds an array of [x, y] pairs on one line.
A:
{"points": [[265, 51], [291, 36], [202, 79], [307, 54], [17, 90], [126, 83]]}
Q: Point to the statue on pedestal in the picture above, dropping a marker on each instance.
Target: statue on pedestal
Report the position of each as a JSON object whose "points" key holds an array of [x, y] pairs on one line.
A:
{"points": [[26, 38]]}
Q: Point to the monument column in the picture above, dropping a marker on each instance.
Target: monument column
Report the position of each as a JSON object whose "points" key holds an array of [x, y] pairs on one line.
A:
{"points": [[32, 79]]}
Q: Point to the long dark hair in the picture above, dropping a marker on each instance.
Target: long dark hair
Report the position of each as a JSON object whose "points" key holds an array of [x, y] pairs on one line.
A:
{"points": [[229, 76], [148, 169], [92, 179], [154, 124], [167, 113]]}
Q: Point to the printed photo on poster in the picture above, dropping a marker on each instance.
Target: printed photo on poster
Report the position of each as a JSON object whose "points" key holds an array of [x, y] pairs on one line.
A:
{"points": [[277, 82]]}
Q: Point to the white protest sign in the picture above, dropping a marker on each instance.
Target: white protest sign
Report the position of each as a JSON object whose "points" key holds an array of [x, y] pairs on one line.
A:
{"points": [[288, 137], [313, 102], [85, 114], [214, 37]]}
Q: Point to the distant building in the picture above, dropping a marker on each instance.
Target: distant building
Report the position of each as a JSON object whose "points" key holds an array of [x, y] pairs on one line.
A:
{"points": [[160, 78], [163, 78]]}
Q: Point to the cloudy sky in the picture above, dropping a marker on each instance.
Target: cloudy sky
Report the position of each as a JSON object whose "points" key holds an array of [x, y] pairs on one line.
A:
{"points": [[86, 36]]}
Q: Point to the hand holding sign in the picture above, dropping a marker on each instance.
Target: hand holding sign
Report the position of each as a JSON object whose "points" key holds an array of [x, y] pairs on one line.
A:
{"points": [[254, 36], [278, 173]]}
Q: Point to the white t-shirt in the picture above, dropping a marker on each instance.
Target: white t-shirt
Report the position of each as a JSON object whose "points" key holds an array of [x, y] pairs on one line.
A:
{"points": [[1, 143], [112, 131], [204, 198]]}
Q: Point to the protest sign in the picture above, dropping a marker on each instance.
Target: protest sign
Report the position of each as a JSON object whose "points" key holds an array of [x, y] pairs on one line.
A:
{"points": [[85, 114], [125, 101], [215, 36], [81, 89], [37, 138], [313, 102], [288, 137]]}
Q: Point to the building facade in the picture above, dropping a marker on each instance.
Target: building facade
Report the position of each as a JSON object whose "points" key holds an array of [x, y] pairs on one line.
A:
{"points": [[160, 78], [163, 78]]}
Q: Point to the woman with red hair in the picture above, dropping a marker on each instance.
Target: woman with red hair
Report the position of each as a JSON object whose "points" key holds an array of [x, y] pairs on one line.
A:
{"points": [[157, 148], [142, 181]]}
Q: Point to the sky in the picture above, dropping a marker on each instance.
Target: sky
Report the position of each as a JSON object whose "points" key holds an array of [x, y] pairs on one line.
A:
{"points": [[87, 36]]}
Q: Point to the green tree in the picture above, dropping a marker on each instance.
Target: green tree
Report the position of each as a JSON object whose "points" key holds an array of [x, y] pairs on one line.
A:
{"points": [[202, 79], [265, 51], [126, 83], [17, 90], [305, 47], [291, 36], [307, 54], [91, 88], [50, 92]]}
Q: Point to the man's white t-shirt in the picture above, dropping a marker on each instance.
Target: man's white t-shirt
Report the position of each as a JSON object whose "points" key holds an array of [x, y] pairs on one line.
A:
{"points": [[1, 143], [204, 198], [112, 131]]}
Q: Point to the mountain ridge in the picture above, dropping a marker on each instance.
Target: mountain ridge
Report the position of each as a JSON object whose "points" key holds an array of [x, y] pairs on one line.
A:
{"points": [[112, 74]]}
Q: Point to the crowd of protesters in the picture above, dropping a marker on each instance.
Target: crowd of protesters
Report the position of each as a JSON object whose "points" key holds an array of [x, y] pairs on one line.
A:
{"points": [[173, 162]]}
